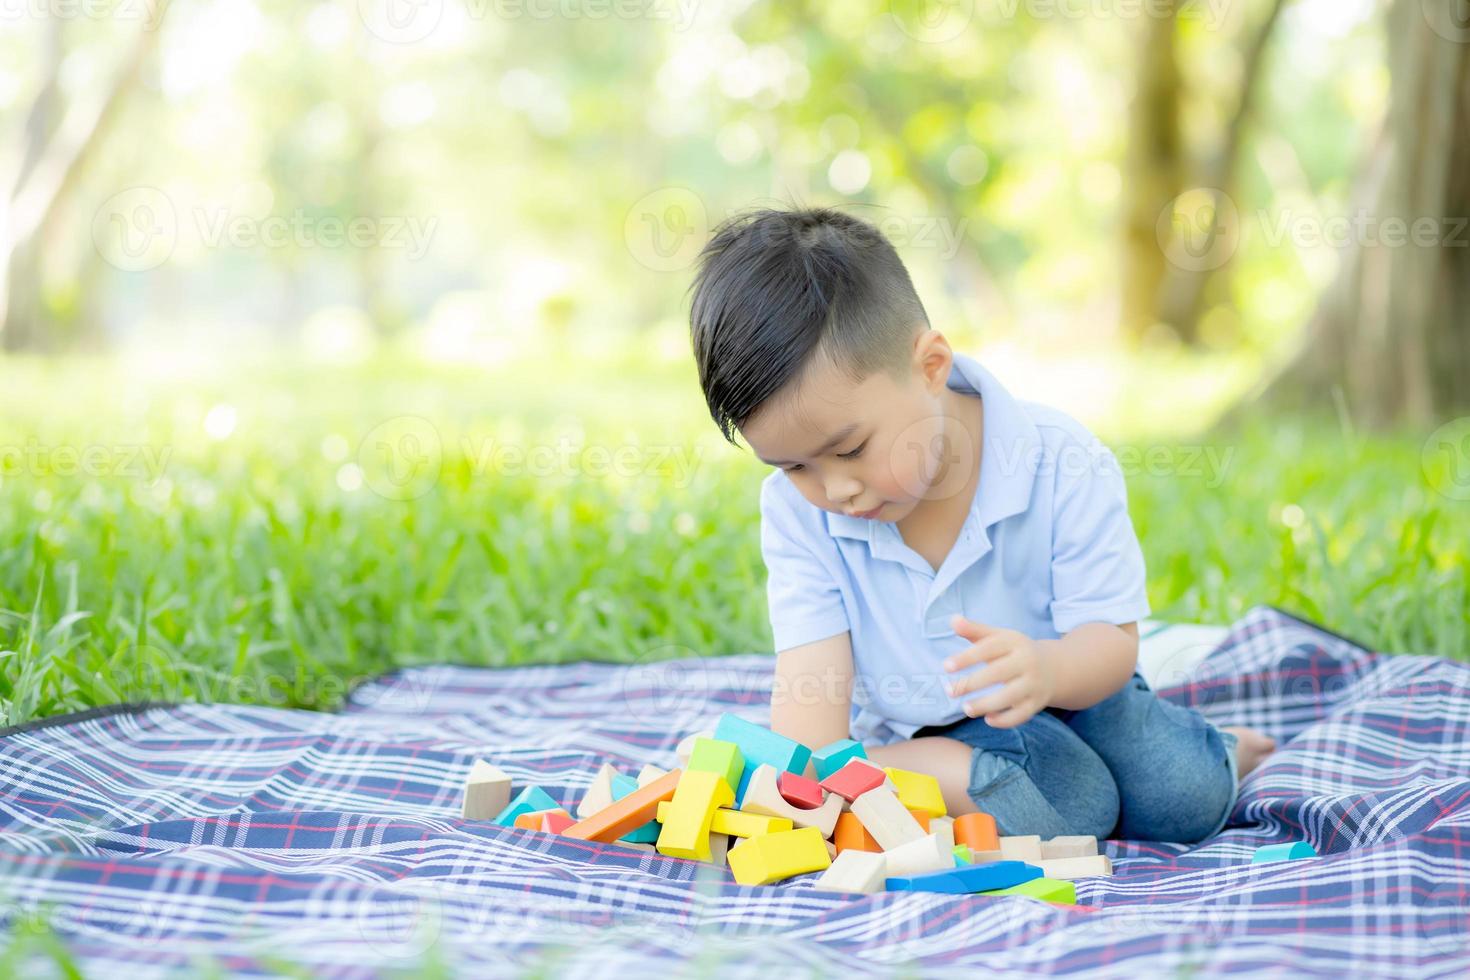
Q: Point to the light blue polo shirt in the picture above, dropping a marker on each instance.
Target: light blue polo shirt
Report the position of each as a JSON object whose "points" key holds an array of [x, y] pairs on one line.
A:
{"points": [[1047, 547]]}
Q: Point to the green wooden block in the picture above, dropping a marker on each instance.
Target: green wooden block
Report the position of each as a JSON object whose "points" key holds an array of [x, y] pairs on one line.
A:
{"points": [[719, 757], [963, 855], [1046, 889]]}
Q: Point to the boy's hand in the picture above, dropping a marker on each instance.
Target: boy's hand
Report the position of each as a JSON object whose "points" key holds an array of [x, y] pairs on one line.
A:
{"points": [[1014, 660]]}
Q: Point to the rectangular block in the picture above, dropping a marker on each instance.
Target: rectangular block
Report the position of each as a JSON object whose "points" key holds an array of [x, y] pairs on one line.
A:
{"points": [[1026, 847], [918, 857], [1046, 889], [944, 827], [1078, 867], [486, 791], [830, 758], [622, 785], [737, 823], [760, 746], [722, 758], [918, 791], [719, 849], [629, 813], [862, 872], [774, 857], [685, 833], [885, 818], [1069, 847], [968, 879], [854, 779], [529, 799]]}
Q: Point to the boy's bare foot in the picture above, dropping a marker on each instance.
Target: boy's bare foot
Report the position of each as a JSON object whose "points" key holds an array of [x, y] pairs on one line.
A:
{"points": [[1251, 747]]}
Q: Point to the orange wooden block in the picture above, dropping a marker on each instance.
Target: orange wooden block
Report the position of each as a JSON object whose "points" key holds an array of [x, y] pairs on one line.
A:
{"points": [[851, 835], [976, 831], [923, 817], [532, 820], [629, 813]]}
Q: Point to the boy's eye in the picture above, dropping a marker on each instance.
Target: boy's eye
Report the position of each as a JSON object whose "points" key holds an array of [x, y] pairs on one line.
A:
{"points": [[853, 453], [792, 468]]}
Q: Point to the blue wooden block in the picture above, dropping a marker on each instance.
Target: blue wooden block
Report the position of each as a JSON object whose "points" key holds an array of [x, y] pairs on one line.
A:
{"points": [[1283, 852], [967, 879], [760, 746], [528, 800], [830, 758], [622, 785]]}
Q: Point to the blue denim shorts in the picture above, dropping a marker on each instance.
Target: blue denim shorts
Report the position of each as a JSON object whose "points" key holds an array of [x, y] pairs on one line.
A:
{"points": [[1132, 766]]}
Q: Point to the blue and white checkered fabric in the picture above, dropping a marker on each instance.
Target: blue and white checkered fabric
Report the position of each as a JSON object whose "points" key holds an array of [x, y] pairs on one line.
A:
{"points": [[178, 839]]}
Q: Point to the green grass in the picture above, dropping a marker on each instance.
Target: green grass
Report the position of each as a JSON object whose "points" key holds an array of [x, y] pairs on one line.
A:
{"points": [[247, 572]]}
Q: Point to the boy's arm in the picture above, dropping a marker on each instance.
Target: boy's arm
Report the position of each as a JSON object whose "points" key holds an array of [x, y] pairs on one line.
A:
{"points": [[1091, 663], [811, 696]]}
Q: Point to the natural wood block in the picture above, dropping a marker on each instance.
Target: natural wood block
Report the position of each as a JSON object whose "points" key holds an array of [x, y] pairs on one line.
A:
{"points": [[599, 794], [719, 847], [648, 774], [1081, 845], [629, 813], [763, 795], [855, 871], [486, 791], [1026, 847], [918, 857], [773, 857], [944, 827], [1076, 867], [886, 819]]}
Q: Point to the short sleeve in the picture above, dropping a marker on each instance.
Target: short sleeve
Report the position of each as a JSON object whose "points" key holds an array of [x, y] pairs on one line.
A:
{"points": [[804, 597], [1097, 567]]}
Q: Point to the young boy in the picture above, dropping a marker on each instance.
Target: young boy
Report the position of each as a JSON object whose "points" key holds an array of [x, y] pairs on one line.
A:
{"points": [[953, 576]]}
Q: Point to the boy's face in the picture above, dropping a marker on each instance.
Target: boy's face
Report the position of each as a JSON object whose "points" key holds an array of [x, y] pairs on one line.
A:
{"points": [[874, 449]]}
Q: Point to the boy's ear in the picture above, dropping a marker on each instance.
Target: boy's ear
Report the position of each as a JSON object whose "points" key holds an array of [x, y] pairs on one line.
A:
{"points": [[933, 359]]}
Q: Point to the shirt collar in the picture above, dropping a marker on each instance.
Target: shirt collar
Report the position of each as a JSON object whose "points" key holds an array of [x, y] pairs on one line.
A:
{"points": [[1008, 462]]}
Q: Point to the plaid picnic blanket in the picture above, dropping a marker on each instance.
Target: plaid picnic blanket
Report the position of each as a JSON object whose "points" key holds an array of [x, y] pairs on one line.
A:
{"points": [[175, 839]]}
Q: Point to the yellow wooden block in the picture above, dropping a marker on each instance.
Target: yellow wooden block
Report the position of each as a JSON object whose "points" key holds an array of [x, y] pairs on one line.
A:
{"points": [[918, 791], [685, 834], [737, 823], [772, 857]]}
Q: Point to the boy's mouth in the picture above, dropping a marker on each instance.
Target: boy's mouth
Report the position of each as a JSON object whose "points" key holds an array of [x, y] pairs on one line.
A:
{"points": [[867, 514]]}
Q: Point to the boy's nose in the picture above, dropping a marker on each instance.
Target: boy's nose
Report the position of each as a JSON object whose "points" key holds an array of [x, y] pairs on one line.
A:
{"points": [[841, 491]]}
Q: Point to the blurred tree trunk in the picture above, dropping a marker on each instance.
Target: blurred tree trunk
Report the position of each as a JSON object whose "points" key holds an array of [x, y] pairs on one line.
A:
{"points": [[1390, 341], [1153, 171], [54, 150]]}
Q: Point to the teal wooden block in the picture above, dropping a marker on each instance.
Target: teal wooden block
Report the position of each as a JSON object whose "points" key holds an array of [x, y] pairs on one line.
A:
{"points": [[967, 879], [1292, 851], [760, 746], [830, 758], [530, 799]]}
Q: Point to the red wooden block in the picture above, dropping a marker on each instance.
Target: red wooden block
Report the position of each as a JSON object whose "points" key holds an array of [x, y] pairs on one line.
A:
{"points": [[556, 821], [798, 790], [533, 819], [854, 779]]}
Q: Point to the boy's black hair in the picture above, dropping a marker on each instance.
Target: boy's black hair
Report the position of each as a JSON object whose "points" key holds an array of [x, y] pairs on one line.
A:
{"points": [[776, 286]]}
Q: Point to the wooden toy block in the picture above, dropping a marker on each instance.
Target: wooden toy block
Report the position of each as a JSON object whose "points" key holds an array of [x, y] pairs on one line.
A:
{"points": [[722, 758], [918, 791], [800, 791], [985, 857], [556, 821], [1046, 889], [920, 817], [854, 779], [648, 774], [639, 846], [622, 785], [944, 827], [719, 848], [1078, 867], [529, 799], [486, 791], [831, 849], [918, 857], [885, 818], [737, 823], [977, 831], [830, 758], [1025, 847], [599, 794], [760, 746], [850, 835], [854, 871], [966, 880], [763, 795], [531, 820], [685, 833], [629, 813], [773, 857], [962, 855], [685, 748], [1293, 851], [1069, 847]]}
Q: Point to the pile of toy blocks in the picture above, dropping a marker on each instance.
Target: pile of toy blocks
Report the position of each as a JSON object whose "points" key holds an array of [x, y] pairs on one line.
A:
{"points": [[867, 829]]}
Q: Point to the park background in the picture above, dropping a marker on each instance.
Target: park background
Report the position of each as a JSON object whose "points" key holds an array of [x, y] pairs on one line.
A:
{"points": [[349, 334]]}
